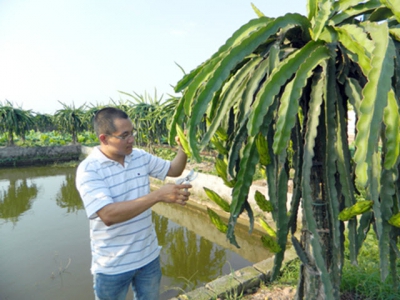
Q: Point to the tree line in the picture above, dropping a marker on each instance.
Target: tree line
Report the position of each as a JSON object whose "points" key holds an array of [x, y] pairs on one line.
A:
{"points": [[150, 116]]}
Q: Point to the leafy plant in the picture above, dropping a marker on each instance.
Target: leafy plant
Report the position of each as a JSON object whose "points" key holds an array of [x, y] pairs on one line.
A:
{"points": [[70, 120], [291, 79], [14, 121], [150, 116]]}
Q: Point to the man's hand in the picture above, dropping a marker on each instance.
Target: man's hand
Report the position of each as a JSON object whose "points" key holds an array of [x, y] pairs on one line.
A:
{"points": [[178, 141], [174, 193]]}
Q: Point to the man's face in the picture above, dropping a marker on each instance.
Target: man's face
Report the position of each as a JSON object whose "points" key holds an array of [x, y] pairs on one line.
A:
{"points": [[121, 141]]}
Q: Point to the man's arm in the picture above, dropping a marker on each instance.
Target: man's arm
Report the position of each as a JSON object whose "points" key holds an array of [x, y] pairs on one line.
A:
{"points": [[178, 164], [123, 211], [170, 193]]}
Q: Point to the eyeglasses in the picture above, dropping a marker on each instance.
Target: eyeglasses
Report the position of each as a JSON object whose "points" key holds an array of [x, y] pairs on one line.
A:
{"points": [[126, 136]]}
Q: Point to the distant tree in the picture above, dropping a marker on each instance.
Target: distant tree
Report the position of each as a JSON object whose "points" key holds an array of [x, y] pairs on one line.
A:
{"points": [[146, 113], [89, 115], [44, 122], [70, 120], [14, 121]]}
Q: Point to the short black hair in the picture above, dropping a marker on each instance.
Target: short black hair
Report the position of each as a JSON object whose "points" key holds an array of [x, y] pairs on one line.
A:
{"points": [[103, 121]]}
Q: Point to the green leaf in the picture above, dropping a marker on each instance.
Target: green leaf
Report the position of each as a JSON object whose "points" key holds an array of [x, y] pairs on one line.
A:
{"points": [[272, 86], [321, 18], [395, 32], [391, 118], [183, 140], [252, 86], [207, 68], [388, 190], [358, 208], [267, 228], [216, 220], [395, 220], [236, 148], [187, 79], [277, 178], [244, 178], [221, 134], [345, 175], [365, 225], [289, 100], [250, 214], [262, 148], [270, 243], [344, 5], [257, 11], [177, 118], [233, 91], [274, 57], [222, 171], [262, 202], [312, 9], [355, 40], [219, 146], [217, 199], [380, 14], [297, 165], [241, 190], [227, 64], [375, 95], [381, 226], [357, 10], [394, 6], [196, 77], [354, 92]]}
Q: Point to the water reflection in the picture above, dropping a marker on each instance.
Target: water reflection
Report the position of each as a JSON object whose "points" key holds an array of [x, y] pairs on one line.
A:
{"points": [[189, 260], [36, 200], [197, 261], [16, 199], [68, 197]]}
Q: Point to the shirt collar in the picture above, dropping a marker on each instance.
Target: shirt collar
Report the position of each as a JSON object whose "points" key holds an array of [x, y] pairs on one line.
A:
{"points": [[104, 159]]}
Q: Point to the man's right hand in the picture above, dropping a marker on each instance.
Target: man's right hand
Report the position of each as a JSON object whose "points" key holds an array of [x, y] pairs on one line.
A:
{"points": [[175, 193]]}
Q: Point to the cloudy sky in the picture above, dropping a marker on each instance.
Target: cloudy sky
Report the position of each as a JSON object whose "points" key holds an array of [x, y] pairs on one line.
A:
{"points": [[85, 51]]}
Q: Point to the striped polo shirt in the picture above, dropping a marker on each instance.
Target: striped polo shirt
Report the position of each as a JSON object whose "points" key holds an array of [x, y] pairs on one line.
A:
{"points": [[100, 181]]}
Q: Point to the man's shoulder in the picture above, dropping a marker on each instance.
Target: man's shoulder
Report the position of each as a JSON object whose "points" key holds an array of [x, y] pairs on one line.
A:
{"points": [[139, 153], [138, 150], [93, 159]]}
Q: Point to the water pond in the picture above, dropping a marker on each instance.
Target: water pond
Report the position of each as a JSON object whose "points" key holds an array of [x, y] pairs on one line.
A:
{"points": [[44, 240]]}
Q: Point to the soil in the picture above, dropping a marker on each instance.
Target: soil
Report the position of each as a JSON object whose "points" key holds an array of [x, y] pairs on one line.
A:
{"points": [[271, 293], [286, 293], [205, 166]]}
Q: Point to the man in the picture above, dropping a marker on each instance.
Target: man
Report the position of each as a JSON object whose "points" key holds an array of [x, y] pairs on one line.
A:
{"points": [[113, 182]]}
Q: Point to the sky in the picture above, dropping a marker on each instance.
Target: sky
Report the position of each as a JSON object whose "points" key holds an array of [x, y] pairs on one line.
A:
{"points": [[84, 52]]}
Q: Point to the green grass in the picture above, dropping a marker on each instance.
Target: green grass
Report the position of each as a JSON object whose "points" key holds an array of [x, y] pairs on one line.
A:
{"points": [[363, 279], [290, 273]]}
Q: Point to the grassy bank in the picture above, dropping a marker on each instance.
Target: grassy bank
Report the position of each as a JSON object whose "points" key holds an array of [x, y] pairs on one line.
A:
{"points": [[360, 281]]}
